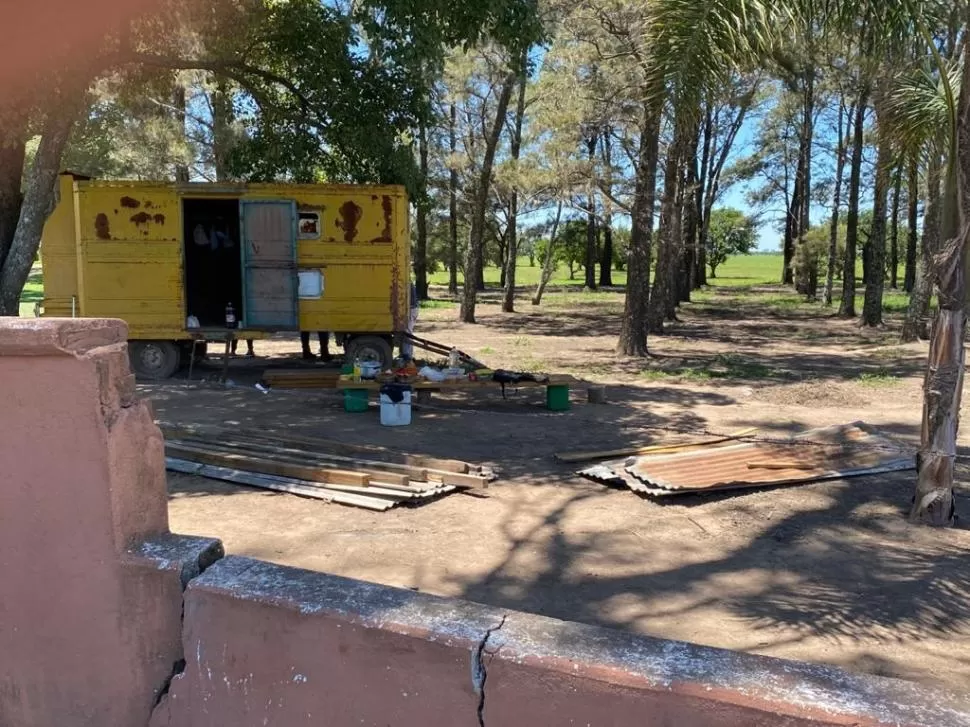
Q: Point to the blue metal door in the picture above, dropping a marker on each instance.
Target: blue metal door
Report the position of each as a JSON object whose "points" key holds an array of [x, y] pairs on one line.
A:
{"points": [[270, 280]]}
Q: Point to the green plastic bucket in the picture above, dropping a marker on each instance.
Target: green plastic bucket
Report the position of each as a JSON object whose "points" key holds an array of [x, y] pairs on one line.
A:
{"points": [[355, 400], [557, 398]]}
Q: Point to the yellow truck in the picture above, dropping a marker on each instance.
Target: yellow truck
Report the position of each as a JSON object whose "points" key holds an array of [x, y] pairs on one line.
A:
{"points": [[173, 259]]}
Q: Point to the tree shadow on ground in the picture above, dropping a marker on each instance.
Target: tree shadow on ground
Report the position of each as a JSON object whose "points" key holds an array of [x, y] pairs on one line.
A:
{"points": [[839, 572]]}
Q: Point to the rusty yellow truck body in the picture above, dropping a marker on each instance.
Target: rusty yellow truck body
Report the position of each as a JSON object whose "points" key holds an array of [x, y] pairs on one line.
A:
{"points": [[170, 259]]}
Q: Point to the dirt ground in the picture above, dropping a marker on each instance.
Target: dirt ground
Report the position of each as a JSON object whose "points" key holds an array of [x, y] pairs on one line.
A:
{"points": [[829, 572]]}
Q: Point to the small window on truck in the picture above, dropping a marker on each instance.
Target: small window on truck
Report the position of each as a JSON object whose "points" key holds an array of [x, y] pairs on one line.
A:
{"points": [[309, 225]]}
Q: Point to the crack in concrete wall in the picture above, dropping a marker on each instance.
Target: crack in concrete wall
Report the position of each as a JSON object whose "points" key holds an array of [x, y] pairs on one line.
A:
{"points": [[479, 671]]}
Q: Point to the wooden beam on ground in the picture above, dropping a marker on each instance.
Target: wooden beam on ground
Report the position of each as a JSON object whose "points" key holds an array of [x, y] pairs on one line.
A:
{"points": [[279, 484], [648, 450], [375, 468], [322, 475], [319, 444]]}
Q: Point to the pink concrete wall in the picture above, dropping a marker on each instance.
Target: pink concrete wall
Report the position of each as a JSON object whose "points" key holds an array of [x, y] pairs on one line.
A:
{"points": [[89, 617], [270, 645]]}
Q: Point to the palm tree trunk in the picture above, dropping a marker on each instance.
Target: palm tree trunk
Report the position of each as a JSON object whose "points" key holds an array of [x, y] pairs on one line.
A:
{"points": [[689, 217], [847, 306], [453, 205], [633, 334], [943, 386], [872, 308], [549, 264], [917, 313], [912, 239], [894, 231], [836, 202], [515, 147], [474, 259]]}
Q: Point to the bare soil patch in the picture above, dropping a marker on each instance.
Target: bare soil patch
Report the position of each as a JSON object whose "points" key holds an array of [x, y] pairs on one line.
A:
{"points": [[829, 572]]}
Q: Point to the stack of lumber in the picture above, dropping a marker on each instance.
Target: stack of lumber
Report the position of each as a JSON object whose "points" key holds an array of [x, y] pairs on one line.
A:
{"points": [[301, 378], [828, 453], [362, 476]]}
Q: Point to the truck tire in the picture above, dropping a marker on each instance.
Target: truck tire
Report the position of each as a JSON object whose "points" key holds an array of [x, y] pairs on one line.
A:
{"points": [[370, 348], [154, 360]]}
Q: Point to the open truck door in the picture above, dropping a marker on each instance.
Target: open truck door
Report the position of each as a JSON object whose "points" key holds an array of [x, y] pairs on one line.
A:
{"points": [[270, 280]]}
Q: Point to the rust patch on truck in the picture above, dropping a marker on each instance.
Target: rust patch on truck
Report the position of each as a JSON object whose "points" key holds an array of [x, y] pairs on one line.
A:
{"points": [[388, 206], [130, 202], [101, 227], [159, 218], [350, 214], [142, 218]]}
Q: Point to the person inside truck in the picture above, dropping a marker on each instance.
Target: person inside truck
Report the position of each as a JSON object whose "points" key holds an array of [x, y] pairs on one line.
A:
{"points": [[324, 337]]}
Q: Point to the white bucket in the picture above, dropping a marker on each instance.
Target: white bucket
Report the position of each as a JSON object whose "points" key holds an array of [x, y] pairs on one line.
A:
{"points": [[396, 415]]}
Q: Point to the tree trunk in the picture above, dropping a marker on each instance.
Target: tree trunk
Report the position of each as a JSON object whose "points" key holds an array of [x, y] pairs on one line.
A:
{"points": [[917, 313], [453, 206], [663, 294], [791, 232], [480, 267], [549, 264], [223, 116], [836, 202], [876, 282], [689, 214], [38, 202], [847, 306], [943, 386], [515, 146], [700, 196], [421, 218], [13, 145], [178, 101], [606, 259], [912, 239], [633, 334], [894, 231], [591, 234], [474, 259], [802, 200]]}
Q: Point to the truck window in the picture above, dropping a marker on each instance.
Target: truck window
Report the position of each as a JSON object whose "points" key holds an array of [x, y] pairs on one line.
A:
{"points": [[309, 225]]}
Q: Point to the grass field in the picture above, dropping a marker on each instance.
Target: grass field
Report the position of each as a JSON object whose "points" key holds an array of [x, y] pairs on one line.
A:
{"points": [[741, 271]]}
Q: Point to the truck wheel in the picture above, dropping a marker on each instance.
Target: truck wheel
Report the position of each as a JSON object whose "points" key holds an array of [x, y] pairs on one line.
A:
{"points": [[153, 359], [369, 348]]}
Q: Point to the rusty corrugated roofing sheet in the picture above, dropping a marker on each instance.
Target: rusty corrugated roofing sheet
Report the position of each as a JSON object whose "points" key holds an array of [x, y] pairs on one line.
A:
{"points": [[830, 453]]}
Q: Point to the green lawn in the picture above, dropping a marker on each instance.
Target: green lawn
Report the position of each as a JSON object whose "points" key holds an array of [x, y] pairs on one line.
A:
{"points": [[526, 275], [33, 293]]}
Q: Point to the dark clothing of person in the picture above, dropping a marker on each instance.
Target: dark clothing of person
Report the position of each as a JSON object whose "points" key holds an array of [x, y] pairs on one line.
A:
{"points": [[324, 337]]}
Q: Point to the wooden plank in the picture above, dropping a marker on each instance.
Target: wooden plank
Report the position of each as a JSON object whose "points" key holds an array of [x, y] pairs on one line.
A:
{"points": [[279, 484], [652, 449], [782, 465], [304, 458], [264, 466], [173, 431], [374, 466]]}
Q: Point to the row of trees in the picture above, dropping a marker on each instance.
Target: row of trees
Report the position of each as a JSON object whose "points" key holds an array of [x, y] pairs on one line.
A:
{"points": [[521, 118], [845, 110]]}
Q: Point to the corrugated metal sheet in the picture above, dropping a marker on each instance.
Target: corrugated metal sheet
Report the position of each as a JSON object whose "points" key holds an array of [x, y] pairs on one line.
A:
{"points": [[836, 452]]}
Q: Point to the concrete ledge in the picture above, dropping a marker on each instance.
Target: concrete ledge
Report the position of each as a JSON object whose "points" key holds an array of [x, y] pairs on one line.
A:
{"points": [[187, 555], [58, 336], [256, 631]]}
